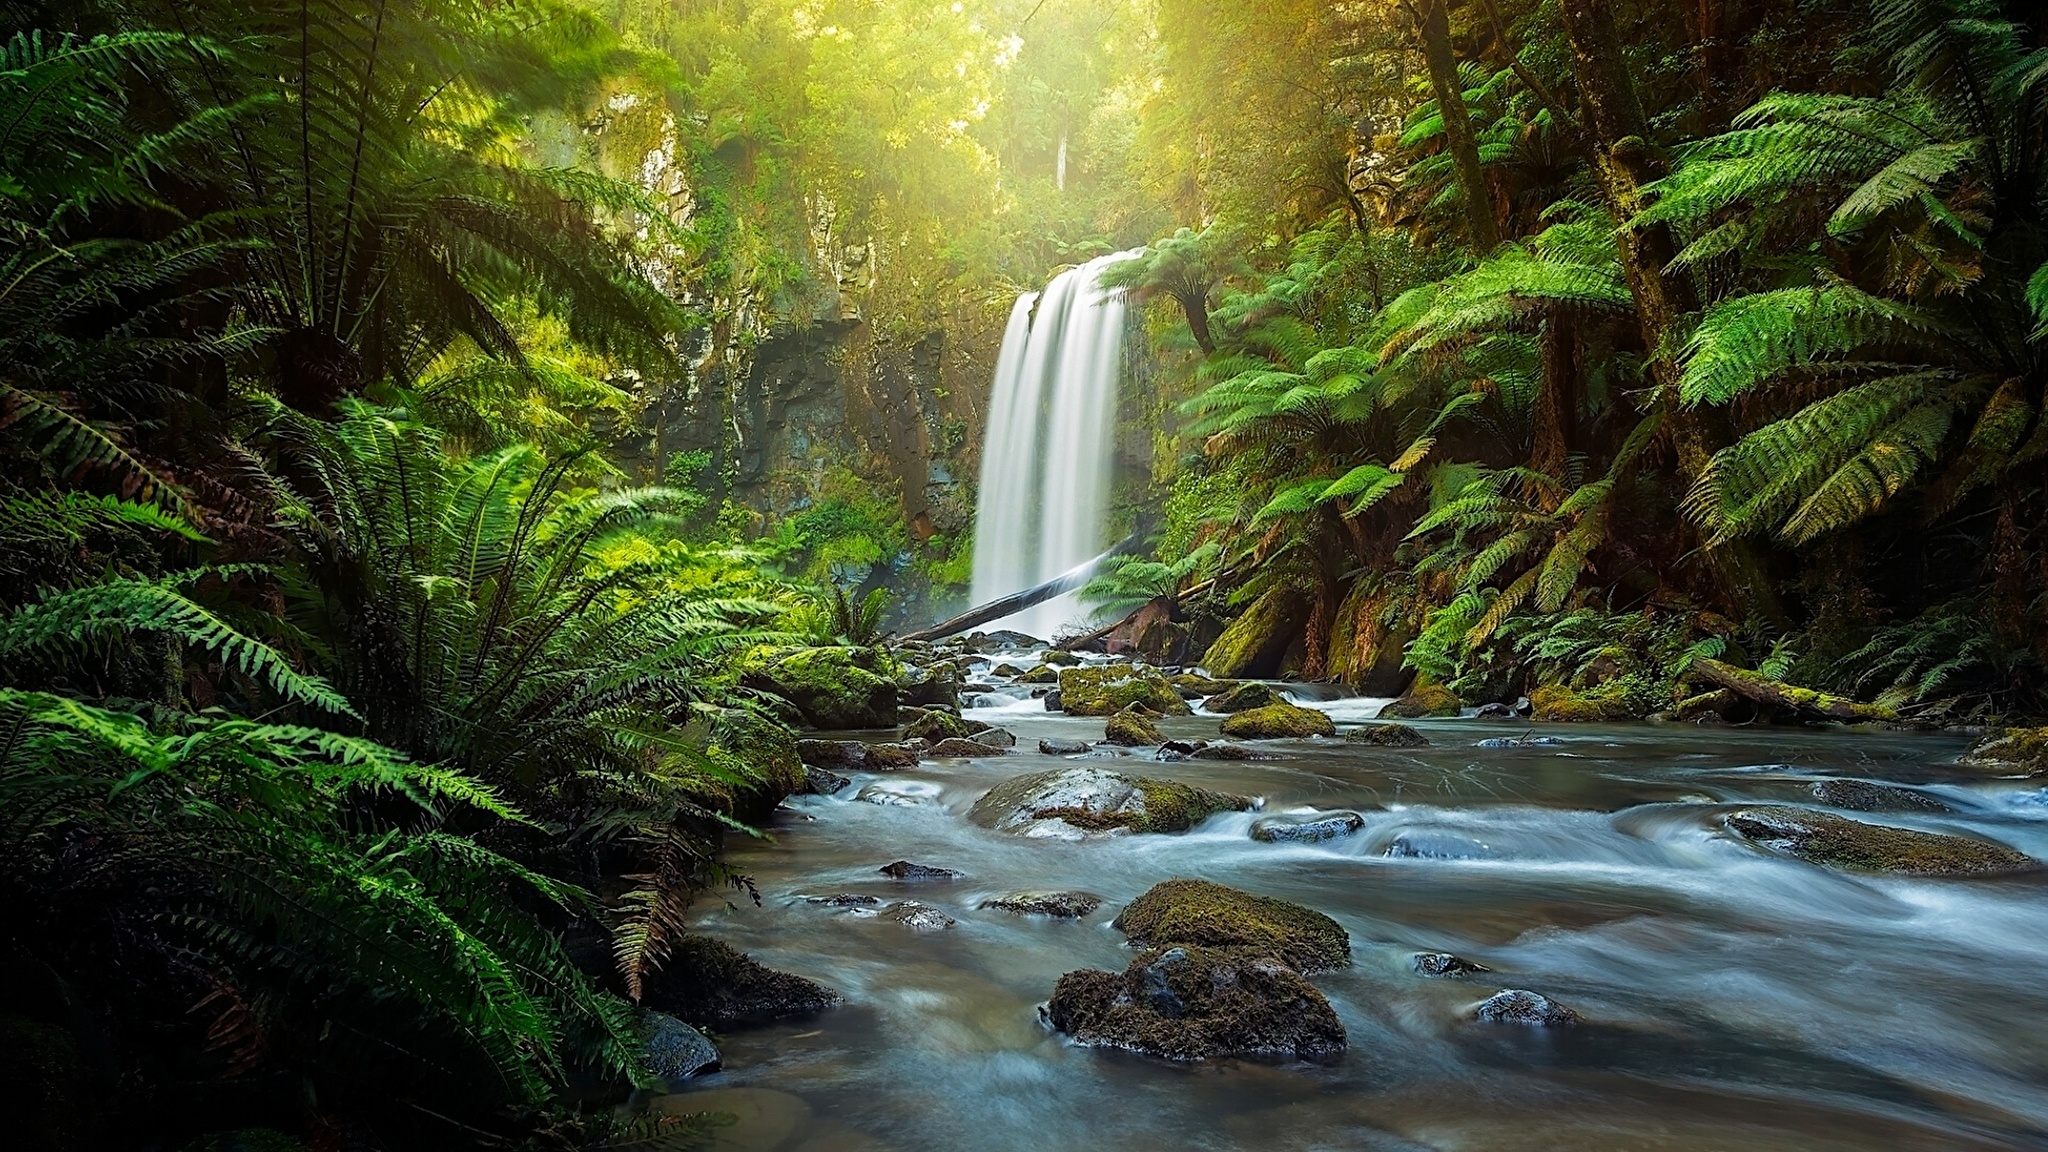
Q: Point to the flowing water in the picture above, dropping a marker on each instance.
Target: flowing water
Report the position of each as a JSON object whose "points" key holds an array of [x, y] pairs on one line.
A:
{"points": [[1732, 999], [1045, 465]]}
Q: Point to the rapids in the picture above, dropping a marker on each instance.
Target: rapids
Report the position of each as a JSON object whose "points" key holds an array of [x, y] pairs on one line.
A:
{"points": [[1732, 998]]}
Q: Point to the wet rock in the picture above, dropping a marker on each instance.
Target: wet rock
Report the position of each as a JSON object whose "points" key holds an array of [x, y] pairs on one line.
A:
{"points": [[1445, 964], [1183, 747], [1058, 657], [1193, 687], [1243, 696], [1434, 844], [708, 983], [1003, 640], [823, 781], [1557, 702], [1387, 736], [1054, 746], [1494, 712], [846, 900], [1060, 905], [674, 1050], [1197, 912], [1087, 799], [1423, 700], [996, 737], [955, 747], [1194, 1003], [1133, 728], [831, 687], [1257, 641], [2012, 750], [887, 797], [1306, 829], [1870, 796], [937, 684], [922, 917], [1230, 752], [1008, 671], [936, 725], [1043, 674], [887, 757], [1823, 838], [905, 870], [1519, 742], [1278, 721], [1515, 1006], [1103, 690], [850, 754]]}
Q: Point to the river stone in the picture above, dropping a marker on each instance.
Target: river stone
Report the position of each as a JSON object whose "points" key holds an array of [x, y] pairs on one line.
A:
{"points": [[935, 725], [1054, 746], [1823, 838], [1007, 670], [831, 687], [1102, 690], [1445, 964], [1230, 752], [922, 917], [708, 983], [2013, 750], [1519, 742], [1870, 796], [996, 737], [956, 746], [1191, 686], [1060, 905], [1387, 736], [1053, 703], [887, 797], [905, 870], [1194, 1003], [1058, 658], [1278, 721], [1422, 700], [1250, 694], [1494, 712], [1091, 799], [1306, 828], [1435, 844], [1132, 728], [1197, 912], [937, 684], [832, 753], [845, 900], [885, 757], [823, 781], [674, 1050], [1515, 1006], [1043, 674]]}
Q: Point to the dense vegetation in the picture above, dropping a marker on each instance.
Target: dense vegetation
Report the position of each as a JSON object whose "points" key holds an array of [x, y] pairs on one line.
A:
{"points": [[369, 714]]}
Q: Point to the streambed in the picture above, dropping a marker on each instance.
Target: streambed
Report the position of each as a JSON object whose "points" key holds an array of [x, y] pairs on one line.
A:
{"points": [[1732, 998]]}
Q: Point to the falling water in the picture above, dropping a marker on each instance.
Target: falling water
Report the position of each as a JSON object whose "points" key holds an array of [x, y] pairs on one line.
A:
{"points": [[1045, 466]]}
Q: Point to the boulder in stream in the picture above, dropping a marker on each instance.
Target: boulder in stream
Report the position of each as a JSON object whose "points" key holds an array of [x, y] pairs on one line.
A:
{"points": [[2012, 750], [995, 738], [1133, 728], [850, 754], [1870, 796], [905, 870], [887, 757], [1516, 1006], [1188, 1002], [1054, 746], [1389, 735], [708, 983], [1197, 912], [922, 917], [1278, 721], [936, 724], [1083, 799], [674, 1050], [954, 747], [823, 781], [1423, 699], [1102, 690], [1824, 838], [1059, 905], [1445, 964], [832, 687], [1306, 828], [1250, 694], [1229, 752]]}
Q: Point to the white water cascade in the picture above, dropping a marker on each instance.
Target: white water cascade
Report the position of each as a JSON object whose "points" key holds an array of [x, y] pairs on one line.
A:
{"points": [[1045, 466]]}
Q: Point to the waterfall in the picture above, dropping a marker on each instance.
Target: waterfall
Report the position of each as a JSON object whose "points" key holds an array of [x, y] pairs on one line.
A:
{"points": [[1045, 465]]}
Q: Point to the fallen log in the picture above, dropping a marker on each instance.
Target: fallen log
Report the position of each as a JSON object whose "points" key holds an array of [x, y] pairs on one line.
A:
{"points": [[1760, 689], [1059, 585]]}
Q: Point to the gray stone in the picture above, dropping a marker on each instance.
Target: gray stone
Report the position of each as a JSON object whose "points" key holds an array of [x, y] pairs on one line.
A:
{"points": [[850, 754], [996, 738], [1515, 1006], [1445, 964], [1870, 796], [1306, 828], [1060, 905], [1054, 746], [922, 917], [846, 900], [1387, 736], [961, 747], [1230, 752], [1084, 799], [675, 1051], [823, 781], [905, 870]]}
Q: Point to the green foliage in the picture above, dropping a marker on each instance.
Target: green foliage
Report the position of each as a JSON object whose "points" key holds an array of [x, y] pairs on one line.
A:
{"points": [[1129, 581]]}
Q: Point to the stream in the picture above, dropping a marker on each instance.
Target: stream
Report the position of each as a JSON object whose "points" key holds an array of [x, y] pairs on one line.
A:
{"points": [[1731, 998]]}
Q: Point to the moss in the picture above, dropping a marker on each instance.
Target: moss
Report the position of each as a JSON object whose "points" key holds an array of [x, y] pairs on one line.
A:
{"points": [[1198, 913], [1278, 721], [1171, 806], [1387, 736], [1101, 691], [760, 751], [1824, 838], [1557, 702], [1043, 674], [833, 687], [1242, 697], [1192, 1003], [707, 982], [1059, 658], [1098, 800], [936, 725], [1133, 728], [1425, 698], [2011, 750], [1254, 643]]}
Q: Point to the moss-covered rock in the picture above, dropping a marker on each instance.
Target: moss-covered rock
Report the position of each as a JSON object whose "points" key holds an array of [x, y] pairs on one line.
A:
{"points": [[758, 757], [2013, 750], [1558, 702], [1824, 838], [1387, 736], [962, 747], [1255, 643], [1193, 1003], [1112, 688], [1196, 687], [936, 725], [1197, 912], [1043, 674], [1083, 799], [1058, 905], [1133, 728], [1871, 796], [1424, 698], [1058, 658], [938, 683], [1243, 697], [831, 687], [1278, 721], [706, 982]]}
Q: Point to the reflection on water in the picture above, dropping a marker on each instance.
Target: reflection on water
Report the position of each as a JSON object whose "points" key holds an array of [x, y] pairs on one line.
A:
{"points": [[1733, 999]]}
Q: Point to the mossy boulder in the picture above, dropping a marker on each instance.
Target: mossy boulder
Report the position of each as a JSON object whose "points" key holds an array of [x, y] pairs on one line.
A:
{"points": [[1257, 641], [758, 757], [2013, 750], [1058, 658], [1043, 674], [1079, 800], [1423, 699], [1520, 1006], [937, 684], [1387, 736], [1199, 913], [962, 747], [1058, 905], [1112, 688], [1242, 697], [1278, 721], [1196, 687], [1837, 841], [1133, 728], [1870, 796], [935, 724], [1561, 703], [831, 687], [1195, 1003], [709, 983]]}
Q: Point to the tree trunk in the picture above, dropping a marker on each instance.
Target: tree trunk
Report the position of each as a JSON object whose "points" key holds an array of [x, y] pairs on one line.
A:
{"points": [[1433, 23], [1197, 309], [1760, 689], [1557, 405], [1018, 601]]}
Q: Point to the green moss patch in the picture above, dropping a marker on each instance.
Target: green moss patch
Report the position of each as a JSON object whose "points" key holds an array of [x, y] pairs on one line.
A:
{"points": [[832, 687], [1133, 728], [1198, 913], [1278, 721], [1190, 1003], [1557, 702], [1242, 698], [2012, 750], [1424, 699], [1824, 838], [1113, 688]]}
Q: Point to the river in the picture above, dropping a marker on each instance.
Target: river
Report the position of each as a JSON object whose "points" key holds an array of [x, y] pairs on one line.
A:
{"points": [[1732, 999]]}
